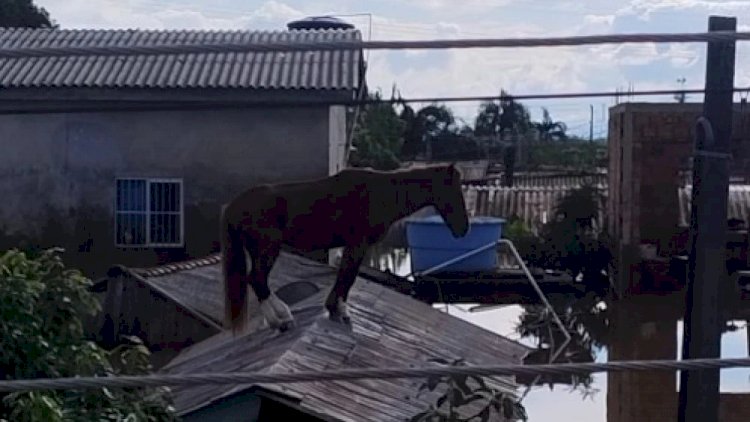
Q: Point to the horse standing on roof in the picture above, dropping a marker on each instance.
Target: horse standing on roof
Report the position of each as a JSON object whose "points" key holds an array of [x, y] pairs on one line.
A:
{"points": [[353, 209]]}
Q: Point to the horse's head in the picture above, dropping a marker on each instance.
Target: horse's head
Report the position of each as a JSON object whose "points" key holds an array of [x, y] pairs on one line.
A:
{"points": [[448, 199]]}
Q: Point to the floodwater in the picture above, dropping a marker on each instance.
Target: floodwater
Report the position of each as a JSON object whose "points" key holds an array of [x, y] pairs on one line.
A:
{"points": [[570, 404]]}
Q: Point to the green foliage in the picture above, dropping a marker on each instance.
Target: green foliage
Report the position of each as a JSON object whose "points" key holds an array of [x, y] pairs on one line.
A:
{"points": [[23, 14], [466, 390], [378, 137], [550, 130], [569, 243], [497, 129], [42, 308], [505, 114], [572, 154], [434, 131]]}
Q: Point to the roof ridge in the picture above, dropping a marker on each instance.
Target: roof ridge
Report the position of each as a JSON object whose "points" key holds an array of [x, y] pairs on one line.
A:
{"points": [[173, 267], [277, 31]]}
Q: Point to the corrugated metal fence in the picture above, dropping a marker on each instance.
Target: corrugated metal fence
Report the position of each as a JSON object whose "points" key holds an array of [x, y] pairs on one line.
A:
{"points": [[533, 205], [738, 203], [546, 180]]}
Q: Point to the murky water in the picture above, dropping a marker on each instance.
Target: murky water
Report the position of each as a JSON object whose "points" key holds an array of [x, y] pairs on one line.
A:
{"points": [[503, 320]]}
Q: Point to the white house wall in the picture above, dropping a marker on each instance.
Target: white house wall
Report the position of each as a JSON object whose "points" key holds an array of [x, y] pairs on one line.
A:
{"points": [[336, 139]]}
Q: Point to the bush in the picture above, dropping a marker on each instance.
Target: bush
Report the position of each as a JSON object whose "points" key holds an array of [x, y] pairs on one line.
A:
{"points": [[42, 306]]}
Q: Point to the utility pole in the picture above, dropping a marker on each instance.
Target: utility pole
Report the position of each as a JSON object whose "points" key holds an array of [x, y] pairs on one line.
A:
{"points": [[699, 389], [591, 123]]}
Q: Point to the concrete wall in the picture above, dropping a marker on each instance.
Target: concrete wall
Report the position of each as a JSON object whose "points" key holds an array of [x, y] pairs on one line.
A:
{"points": [[57, 175], [645, 332], [649, 145]]}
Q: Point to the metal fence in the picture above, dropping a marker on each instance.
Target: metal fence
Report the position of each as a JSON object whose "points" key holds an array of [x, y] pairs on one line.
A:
{"points": [[532, 204], [535, 206], [544, 180]]}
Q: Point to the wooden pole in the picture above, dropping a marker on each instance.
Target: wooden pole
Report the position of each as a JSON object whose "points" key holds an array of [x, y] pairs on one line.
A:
{"points": [[699, 390]]}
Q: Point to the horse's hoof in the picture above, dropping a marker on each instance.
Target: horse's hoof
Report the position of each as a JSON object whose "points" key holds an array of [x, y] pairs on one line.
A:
{"points": [[340, 318], [338, 312]]}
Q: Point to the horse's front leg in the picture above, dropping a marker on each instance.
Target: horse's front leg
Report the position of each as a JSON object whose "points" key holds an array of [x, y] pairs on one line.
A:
{"points": [[351, 260]]}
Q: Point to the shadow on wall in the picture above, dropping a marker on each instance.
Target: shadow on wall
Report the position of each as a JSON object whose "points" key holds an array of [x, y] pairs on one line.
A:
{"points": [[87, 237]]}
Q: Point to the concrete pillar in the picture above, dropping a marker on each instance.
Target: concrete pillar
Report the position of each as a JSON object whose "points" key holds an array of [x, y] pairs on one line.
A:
{"points": [[641, 332]]}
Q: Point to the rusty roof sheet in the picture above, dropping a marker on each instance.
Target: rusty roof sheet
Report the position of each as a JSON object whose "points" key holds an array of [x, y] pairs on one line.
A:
{"points": [[333, 70], [389, 329]]}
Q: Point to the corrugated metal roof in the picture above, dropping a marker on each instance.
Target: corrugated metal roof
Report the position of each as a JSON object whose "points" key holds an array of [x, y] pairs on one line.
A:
{"points": [[738, 203], [533, 205], [547, 180], [389, 329], [275, 70]]}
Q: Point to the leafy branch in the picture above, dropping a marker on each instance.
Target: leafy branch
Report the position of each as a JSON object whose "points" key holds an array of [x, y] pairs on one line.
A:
{"points": [[466, 391], [42, 306]]}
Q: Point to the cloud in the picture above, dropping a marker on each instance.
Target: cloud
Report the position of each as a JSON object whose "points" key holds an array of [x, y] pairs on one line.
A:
{"points": [[607, 20], [645, 8], [472, 5], [682, 55], [627, 54], [274, 12], [149, 14]]}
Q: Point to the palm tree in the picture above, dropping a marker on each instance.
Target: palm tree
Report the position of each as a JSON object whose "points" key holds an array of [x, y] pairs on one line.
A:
{"points": [[550, 130]]}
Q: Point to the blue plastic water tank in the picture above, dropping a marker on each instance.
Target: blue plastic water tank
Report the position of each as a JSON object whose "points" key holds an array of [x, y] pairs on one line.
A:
{"points": [[431, 243]]}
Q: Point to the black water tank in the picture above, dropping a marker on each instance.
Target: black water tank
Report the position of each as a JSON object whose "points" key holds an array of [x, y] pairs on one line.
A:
{"points": [[319, 22]]}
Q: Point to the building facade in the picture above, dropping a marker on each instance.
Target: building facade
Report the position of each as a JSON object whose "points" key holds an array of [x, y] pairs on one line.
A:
{"points": [[128, 159]]}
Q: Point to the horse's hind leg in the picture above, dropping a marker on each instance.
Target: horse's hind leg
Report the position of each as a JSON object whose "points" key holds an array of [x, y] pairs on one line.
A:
{"points": [[351, 260], [275, 311]]}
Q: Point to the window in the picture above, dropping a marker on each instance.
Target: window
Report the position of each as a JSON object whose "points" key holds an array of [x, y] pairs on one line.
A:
{"points": [[149, 212]]}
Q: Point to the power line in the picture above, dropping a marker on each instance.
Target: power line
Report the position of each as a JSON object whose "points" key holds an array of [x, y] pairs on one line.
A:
{"points": [[281, 46], [136, 105], [367, 373]]}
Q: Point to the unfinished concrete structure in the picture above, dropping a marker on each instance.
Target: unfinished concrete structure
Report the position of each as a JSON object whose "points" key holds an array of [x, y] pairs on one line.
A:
{"points": [[650, 146]]}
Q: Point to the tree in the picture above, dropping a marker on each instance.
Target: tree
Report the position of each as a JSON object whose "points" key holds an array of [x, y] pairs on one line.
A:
{"points": [[550, 130], [24, 14], [42, 305], [424, 126], [506, 114], [378, 137], [497, 118], [570, 243]]}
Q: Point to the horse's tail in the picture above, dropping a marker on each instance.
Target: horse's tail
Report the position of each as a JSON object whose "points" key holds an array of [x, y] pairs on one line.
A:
{"points": [[235, 274]]}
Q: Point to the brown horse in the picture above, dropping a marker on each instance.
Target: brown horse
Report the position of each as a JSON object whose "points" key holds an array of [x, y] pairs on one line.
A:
{"points": [[352, 209]]}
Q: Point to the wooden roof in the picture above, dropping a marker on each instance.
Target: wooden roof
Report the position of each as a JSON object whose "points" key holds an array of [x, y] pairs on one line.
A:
{"points": [[389, 329]]}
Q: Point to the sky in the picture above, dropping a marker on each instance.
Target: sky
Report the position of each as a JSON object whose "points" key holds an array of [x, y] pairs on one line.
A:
{"points": [[483, 72], [471, 72]]}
